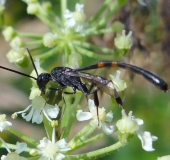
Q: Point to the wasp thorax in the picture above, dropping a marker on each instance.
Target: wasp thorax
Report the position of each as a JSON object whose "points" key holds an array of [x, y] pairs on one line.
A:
{"points": [[42, 80]]}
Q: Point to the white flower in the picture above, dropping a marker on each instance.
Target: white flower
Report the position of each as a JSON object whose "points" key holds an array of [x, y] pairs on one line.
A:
{"points": [[97, 120], [20, 147], [130, 125], [119, 83], [3, 122], [52, 150], [75, 19], [123, 41], [37, 109]]}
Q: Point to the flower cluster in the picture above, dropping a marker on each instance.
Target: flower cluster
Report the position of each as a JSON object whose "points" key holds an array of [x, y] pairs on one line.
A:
{"points": [[67, 41]]}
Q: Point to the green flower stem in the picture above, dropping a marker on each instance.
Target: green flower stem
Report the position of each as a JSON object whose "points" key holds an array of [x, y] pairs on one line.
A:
{"points": [[105, 18], [39, 42], [92, 54], [81, 135], [49, 23], [70, 113], [1, 20], [91, 47], [29, 35], [63, 8], [22, 136], [48, 53], [97, 153], [81, 143], [98, 32], [96, 16]]}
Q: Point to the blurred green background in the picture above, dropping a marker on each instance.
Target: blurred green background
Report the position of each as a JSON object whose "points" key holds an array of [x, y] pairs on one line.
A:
{"points": [[151, 27]]}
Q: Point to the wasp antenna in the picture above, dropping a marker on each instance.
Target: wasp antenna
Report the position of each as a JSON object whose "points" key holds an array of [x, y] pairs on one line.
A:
{"points": [[32, 62], [11, 70]]}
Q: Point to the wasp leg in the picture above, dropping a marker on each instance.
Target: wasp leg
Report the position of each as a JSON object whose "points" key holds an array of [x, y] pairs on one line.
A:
{"points": [[96, 99]]}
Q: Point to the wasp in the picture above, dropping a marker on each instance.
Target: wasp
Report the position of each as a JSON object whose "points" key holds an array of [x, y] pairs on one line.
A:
{"points": [[68, 77]]}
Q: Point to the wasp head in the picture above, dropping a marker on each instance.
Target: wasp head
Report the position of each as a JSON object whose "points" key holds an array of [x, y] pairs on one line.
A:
{"points": [[42, 80]]}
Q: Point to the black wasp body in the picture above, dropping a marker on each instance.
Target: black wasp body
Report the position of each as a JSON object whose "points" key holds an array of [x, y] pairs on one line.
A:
{"points": [[66, 76]]}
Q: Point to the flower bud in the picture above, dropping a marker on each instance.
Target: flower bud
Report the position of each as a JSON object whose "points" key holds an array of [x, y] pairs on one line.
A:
{"points": [[123, 41], [8, 33], [117, 27], [14, 115], [33, 152], [47, 6], [54, 123], [79, 16], [49, 39], [19, 56], [33, 8]]}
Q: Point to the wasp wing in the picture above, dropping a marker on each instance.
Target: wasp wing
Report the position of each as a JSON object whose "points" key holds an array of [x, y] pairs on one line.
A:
{"points": [[101, 83]]}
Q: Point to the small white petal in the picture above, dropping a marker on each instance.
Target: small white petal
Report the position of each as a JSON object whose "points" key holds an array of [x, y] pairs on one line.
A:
{"points": [[60, 156], [20, 147], [52, 111], [28, 116], [91, 105], [4, 125], [67, 14], [43, 143], [106, 129], [3, 157], [62, 143], [139, 121], [109, 116], [79, 7], [37, 116], [146, 139], [83, 116]]}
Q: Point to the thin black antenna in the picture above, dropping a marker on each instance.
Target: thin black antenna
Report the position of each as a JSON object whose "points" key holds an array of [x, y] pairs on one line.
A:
{"points": [[26, 75], [32, 62]]}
